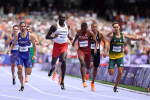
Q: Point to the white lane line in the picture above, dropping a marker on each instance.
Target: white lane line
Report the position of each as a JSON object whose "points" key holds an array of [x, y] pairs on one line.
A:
{"points": [[85, 90], [16, 97], [44, 92]]}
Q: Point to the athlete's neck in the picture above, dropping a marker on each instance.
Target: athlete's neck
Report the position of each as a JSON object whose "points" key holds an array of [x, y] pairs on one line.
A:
{"points": [[117, 33], [95, 32], [14, 34], [61, 24], [23, 34]]}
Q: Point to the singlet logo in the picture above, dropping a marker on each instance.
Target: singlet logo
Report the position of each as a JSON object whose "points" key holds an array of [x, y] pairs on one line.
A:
{"points": [[63, 31], [83, 37], [23, 42]]}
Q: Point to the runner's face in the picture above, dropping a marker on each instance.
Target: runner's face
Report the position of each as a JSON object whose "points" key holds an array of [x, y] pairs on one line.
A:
{"points": [[94, 27], [29, 30], [62, 19], [22, 27], [15, 30], [84, 29], [116, 27]]}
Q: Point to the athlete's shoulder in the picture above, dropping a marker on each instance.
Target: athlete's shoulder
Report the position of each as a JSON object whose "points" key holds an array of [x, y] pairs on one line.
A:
{"points": [[78, 31], [54, 26]]}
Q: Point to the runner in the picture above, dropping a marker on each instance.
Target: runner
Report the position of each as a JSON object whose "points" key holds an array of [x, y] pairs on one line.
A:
{"points": [[95, 59], [31, 50], [14, 51], [23, 56], [116, 51], [60, 30], [58, 64], [84, 51]]}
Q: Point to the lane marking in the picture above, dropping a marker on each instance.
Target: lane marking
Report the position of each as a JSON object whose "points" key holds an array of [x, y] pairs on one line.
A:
{"points": [[84, 90], [16, 97], [44, 92]]}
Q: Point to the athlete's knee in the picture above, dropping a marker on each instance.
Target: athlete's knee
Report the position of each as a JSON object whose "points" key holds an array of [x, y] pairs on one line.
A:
{"points": [[19, 71], [82, 64], [53, 62], [95, 68], [63, 61], [119, 71], [110, 72]]}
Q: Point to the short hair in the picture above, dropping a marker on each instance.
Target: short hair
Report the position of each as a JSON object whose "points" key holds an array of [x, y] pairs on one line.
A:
{"points": [[15, 26], [115, 23], [22, 23], [93, 23], [84, 24], [28, 27]]}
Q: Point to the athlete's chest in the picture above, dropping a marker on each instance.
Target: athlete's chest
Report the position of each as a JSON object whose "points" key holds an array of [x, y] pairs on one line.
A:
{"points": [[62, 30], [83, 36]]}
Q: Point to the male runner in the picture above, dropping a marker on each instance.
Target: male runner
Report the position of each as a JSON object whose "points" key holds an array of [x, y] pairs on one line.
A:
{"points": [[84, 51], [28, 28], [60, 31], [23, 57], [96, 58], [14, 51], [116, 51]]}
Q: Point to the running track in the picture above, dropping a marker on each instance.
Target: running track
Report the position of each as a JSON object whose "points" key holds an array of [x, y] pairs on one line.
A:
{"points": [[41, 87]]}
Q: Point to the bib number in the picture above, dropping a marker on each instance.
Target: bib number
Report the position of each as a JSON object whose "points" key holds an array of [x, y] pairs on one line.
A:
{"points": [[83, 43], [93, 46], [117, 48], [23, 49]]}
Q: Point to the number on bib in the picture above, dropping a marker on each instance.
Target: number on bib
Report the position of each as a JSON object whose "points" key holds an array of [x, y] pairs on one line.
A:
{"points": [[83, 43], [23, 49], [117, 48], [93, 46]]}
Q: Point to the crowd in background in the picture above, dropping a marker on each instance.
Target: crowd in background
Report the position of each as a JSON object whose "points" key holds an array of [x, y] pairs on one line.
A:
{"points": [[40, 26]]}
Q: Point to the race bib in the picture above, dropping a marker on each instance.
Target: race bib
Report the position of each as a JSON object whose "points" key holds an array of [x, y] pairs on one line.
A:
{"points": [[83, 43], [23, 49], [117, 48], [93, 46]]}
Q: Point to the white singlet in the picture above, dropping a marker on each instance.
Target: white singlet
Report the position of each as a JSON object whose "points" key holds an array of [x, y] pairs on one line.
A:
{"points": [[63, 32]]}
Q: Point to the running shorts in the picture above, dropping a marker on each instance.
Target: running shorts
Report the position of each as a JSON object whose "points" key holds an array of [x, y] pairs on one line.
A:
{"points": [[86, 53], [59, 48], [24, 59], [112, 63]]}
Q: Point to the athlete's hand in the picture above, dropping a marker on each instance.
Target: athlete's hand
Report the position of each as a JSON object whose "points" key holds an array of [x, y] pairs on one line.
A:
{"points": [[56, 35], [70, 38], [95, 51], [7, 52], [141, 38], [34, 57], [104, 55]]}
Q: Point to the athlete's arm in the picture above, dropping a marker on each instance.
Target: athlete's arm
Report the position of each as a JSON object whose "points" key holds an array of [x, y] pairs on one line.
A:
{"points": [[69, 32], [76, 37], [105, 44], [9, 39], [131, 37], [110, 34], [52, 29], [36, 40], [34, 45], [13, 44], [68, 41]]}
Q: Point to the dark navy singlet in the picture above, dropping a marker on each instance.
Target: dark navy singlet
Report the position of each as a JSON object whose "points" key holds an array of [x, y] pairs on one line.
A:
{"points": [[93, 44]]}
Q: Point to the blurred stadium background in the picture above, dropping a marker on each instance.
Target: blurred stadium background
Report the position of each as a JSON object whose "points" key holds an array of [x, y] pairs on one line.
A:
{"points": [[133, 16]]}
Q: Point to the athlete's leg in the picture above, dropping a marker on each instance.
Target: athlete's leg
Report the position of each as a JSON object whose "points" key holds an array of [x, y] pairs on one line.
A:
{"points": [[26, 79], [120, 65], [20, 76], [59, 70], [53, 62], [32, 65], [82, 69], [119, 75], [13, 70], [63, 66], [111, 66], [28, 71]]}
